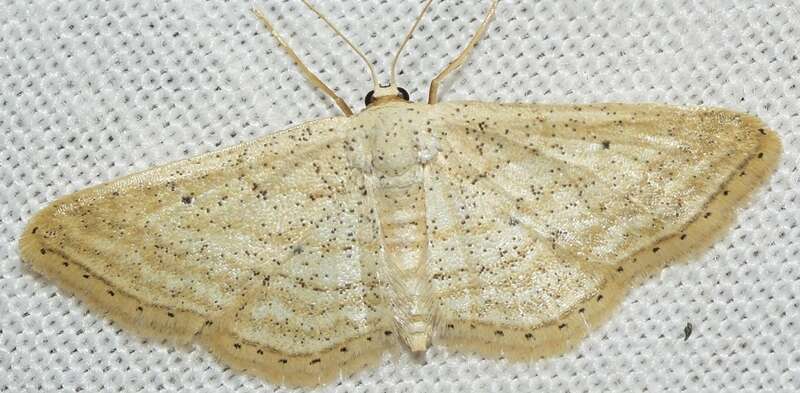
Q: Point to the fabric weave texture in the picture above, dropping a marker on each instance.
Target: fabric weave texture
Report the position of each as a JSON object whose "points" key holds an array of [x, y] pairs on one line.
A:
{"points": [[92, 90]]}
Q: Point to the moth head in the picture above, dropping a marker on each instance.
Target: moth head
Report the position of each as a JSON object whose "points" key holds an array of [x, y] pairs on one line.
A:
{"points": [[385, 94]]}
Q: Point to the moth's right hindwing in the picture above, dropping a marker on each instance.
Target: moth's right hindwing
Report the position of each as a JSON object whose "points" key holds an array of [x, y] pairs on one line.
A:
{"points": [[267, 251], [541, 216]]}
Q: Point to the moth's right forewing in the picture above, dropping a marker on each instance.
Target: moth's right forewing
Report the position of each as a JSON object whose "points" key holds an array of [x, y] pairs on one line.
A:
{"points": [[267, 250]]}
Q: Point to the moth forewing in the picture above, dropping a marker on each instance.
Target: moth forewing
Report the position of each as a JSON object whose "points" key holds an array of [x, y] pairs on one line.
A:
{"points": [[543, 216]]}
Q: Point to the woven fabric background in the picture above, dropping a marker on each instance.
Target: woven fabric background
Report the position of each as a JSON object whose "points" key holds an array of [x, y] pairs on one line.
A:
{"points": [[91, 90]]}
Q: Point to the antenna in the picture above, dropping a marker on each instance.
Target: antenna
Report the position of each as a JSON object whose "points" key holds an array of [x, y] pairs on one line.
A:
{"points": [[393, 79], [303, 68], [462, 57], [350, 44]]}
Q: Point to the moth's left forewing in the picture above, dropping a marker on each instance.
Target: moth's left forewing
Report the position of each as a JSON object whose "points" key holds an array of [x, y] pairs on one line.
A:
{"points": [[542, 216]]}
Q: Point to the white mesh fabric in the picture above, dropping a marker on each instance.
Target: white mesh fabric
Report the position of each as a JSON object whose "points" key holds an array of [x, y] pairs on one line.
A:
{"points": [[91, 90]]}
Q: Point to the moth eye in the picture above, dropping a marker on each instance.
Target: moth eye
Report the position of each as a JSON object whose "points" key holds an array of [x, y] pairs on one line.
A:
{"points": [[403, 93], [370, 98]]}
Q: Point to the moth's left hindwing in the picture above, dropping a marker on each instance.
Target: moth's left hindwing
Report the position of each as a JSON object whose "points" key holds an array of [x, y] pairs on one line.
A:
{"points": [[265, 251], [541, 216]]}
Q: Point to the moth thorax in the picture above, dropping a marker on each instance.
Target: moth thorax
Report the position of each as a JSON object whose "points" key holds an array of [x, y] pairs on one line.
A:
{"points": [[399, 144], [394, 152]]}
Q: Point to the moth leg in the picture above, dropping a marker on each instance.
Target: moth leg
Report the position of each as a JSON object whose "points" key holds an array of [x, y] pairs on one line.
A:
{"points": [[303, 68], [462, 57]]}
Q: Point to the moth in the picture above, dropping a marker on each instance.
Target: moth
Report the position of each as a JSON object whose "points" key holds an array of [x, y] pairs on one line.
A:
{"points": [[506, 229]]}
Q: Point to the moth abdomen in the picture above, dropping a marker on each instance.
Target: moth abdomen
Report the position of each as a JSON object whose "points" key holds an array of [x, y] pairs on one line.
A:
{"points": [[404, 237]]}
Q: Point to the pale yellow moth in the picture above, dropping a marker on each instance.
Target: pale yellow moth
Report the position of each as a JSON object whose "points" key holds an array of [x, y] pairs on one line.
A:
{"points": [[306, 254]]}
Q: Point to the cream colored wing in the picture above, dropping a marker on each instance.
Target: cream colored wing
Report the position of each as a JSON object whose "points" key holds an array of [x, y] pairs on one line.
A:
{"points": [[265, 251], [540, 217]]}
